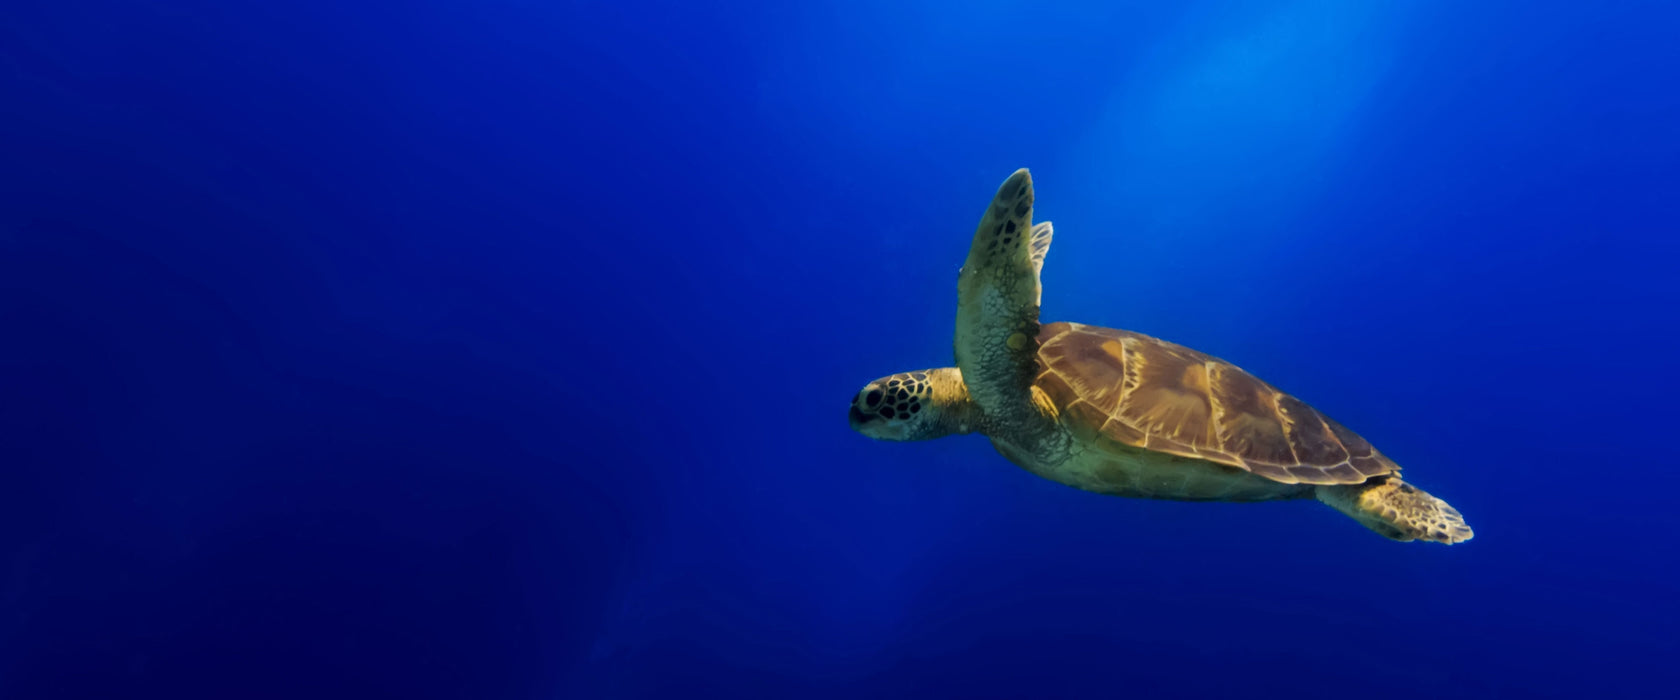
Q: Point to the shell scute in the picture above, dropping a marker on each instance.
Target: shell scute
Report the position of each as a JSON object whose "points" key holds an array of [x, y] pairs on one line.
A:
{"points": [[1308, 434], [1167, 397]]}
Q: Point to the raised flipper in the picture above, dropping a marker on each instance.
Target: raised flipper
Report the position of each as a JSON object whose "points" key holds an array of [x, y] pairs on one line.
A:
{"points": [[997, 309], [1038, 247], [1398, 510]]}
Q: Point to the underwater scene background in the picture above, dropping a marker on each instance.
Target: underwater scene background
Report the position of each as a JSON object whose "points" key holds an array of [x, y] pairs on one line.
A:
{"points": [[498, 349]]}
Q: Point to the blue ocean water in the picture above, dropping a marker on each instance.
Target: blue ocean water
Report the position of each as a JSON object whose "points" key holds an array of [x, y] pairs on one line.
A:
{"points": [[498, 350]]}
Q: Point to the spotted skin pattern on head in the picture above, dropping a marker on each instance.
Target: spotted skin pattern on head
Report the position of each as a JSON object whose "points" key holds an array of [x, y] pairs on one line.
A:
{"points": [[901, 395], [914, 406]]}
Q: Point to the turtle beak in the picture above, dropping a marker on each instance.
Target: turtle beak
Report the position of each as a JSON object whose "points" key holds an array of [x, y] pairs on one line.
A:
{"points": [[857, 418]]}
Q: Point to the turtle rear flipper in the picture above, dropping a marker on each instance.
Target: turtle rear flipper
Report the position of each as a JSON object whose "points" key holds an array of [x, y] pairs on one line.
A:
{"points": [[1398, 510]]}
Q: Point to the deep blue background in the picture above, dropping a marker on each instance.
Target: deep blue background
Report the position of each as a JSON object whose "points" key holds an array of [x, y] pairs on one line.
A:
{"points": [[498, 349]]}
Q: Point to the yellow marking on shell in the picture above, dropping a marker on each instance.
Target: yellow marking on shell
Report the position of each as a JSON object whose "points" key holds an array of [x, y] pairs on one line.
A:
{"points": [[1286, 424], [1017, 341], [1115, 350], [1171, 414], [1045, 405], [1196, 378]]}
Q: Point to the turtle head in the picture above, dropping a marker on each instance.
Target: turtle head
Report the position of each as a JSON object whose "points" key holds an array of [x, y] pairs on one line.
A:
{"points": [[921, 405]]}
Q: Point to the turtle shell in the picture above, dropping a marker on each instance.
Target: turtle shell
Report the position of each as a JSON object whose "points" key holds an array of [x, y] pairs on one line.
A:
{"points": [[1113, 386]]}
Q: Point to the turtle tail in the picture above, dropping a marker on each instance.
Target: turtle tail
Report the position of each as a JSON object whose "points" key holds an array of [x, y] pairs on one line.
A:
{"points": [[1398, 510]]}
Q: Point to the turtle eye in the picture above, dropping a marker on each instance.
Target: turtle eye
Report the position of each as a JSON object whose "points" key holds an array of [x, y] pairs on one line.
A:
{"points": [[873, 398]]}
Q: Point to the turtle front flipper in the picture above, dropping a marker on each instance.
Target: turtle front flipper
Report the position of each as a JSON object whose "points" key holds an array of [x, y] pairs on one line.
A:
{"points": [[1398, 510], [997, 309]]}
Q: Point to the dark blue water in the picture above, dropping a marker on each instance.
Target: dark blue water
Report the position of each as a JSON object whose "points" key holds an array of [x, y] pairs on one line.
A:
{"points": [[499, 350]]}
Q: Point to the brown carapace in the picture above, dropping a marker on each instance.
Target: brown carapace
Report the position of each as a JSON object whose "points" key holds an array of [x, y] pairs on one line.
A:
{"points": [[1144, 392]]}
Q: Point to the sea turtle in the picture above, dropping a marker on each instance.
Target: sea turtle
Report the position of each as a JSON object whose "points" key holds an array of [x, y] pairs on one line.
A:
{"points": [[1121, 413]]}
